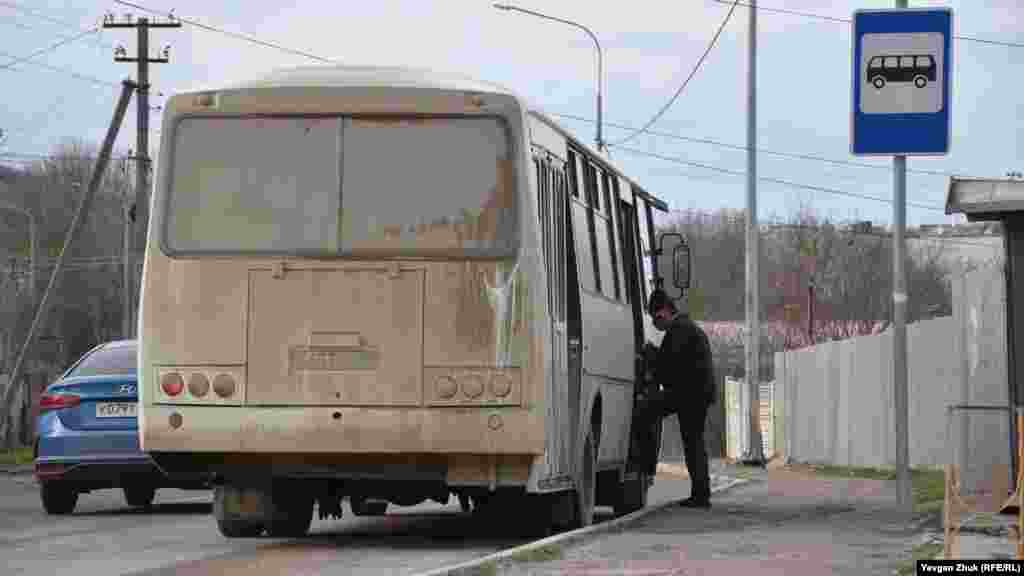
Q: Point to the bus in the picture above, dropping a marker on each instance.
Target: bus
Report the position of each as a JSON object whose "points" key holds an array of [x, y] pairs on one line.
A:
{"points": [[388, 286]]}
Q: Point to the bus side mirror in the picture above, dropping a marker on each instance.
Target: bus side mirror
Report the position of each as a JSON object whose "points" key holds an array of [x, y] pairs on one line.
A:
{"points": [[673, 269], [681, 266]]}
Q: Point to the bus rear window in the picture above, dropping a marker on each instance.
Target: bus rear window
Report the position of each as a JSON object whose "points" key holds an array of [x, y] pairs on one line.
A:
{"points": [[336, 186]]}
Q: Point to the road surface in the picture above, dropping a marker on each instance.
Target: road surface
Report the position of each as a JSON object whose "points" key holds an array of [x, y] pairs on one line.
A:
{"points": [[179, 536]]}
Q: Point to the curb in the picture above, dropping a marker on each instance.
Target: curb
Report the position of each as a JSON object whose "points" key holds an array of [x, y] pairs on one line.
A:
{"points": [[469, 568]]}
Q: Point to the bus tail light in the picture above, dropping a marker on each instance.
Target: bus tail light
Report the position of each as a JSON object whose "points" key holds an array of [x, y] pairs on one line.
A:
{"points": [[198, 384], [224, 385], [172, 384], [57, 401]]}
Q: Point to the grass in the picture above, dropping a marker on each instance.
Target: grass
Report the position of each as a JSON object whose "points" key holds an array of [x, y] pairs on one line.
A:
{"points": [[921, 552], [927, 485], [16, 456], [547, 553]]}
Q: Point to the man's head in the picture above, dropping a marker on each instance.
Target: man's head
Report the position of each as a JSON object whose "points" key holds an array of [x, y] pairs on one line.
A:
{"points": [[661, 308]]}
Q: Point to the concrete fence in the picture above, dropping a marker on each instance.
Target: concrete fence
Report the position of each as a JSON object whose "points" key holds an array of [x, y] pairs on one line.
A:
{"points": [[838, 397]]}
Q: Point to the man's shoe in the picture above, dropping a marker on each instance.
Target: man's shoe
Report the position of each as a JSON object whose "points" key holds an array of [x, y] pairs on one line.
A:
{"points": [[691, 502]]}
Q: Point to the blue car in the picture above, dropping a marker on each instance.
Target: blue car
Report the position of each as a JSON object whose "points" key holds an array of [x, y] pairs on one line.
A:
{"points": [[88, 433]]}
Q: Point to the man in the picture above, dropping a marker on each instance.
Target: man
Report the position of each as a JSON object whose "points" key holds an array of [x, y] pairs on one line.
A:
{"points": [[683, 368]]}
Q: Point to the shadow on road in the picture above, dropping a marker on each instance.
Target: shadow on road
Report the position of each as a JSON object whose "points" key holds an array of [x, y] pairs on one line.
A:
{"points": [[166, 509]]}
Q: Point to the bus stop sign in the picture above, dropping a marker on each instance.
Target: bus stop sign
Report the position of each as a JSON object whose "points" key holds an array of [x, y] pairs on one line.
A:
{"points": [[902, 65]]}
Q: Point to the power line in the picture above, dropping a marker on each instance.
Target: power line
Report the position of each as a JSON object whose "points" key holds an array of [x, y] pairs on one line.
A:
{"points": [[50, 48], [77, 75], [849, 21], [759, 150], [686, 82], [776, 180], [41, 16], [227, 33]]}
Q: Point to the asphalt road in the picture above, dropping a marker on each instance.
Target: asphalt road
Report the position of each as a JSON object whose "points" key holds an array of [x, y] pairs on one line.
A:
{"points": [[179, 536]]}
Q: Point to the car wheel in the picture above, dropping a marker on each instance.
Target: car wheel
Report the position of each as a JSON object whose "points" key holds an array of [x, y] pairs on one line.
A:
{"points": [[139, 496], [879, 82], [58, 498]]}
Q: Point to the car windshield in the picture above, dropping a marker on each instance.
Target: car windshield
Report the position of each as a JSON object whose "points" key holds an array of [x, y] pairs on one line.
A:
{"points": [[110, 361]]}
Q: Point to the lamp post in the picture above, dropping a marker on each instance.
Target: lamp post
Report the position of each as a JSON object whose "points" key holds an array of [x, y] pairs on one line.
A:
{"points": [[600, 62]]}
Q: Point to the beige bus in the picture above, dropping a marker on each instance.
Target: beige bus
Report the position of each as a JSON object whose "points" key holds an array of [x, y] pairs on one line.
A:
{"points": [[387, 286]]}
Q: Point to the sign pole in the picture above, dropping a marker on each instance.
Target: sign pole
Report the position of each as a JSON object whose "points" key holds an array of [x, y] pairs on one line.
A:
{"points": [[899, 313], [902, 70]]}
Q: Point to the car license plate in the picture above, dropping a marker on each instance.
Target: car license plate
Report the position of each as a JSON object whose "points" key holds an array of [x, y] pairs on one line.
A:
{"points": [[115, 410]]}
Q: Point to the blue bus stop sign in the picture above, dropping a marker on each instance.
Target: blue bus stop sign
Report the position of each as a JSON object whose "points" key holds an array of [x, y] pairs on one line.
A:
{"points": [[902, 65]]}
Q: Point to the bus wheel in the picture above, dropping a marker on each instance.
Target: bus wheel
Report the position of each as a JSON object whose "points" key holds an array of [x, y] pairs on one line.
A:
{"points": [[632, 495], [289, 511], [586, 485], [231, 522], [879, 82], [920, 81]]}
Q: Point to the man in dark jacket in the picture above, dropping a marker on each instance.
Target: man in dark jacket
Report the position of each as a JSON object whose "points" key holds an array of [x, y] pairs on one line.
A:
{"points": [[684, 369]]}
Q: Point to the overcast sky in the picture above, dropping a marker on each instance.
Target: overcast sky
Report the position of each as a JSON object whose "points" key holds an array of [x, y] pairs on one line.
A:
{"points": [[649, 47]]}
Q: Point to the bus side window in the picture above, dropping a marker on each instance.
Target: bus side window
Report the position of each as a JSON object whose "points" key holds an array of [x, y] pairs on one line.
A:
{"points": [[875, 62], [611, 182], [591, 182], [571, 170], [924, 62], [892, 62], [906, 62]]}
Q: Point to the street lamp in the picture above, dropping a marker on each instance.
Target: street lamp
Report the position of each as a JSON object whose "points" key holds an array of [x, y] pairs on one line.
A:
{"points": [[600, 64]]}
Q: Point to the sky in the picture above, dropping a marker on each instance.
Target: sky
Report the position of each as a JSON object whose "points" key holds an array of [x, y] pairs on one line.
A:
{"points": [[649, 48]]}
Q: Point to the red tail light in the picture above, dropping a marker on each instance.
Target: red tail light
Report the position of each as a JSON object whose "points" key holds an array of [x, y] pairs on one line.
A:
{"points": [[49, 470], [57, 401], [172, 383]]}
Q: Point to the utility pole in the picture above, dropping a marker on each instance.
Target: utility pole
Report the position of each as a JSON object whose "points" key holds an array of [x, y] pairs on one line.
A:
{"points": [[143, 60], [755, 452], [76, 224]]}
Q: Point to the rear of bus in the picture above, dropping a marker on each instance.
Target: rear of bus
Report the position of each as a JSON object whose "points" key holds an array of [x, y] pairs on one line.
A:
{"points": [[335, 288]]}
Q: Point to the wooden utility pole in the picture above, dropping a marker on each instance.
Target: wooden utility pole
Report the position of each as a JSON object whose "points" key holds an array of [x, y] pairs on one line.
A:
{"points": [[76, 224], [140, 211]]}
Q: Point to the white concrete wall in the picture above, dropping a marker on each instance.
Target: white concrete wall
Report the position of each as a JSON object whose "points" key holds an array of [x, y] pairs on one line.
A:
{"points": [[838, 397]]}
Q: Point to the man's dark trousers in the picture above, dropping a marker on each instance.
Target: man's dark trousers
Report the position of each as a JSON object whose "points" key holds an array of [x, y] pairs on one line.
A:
{"points": [[692, 417], [691, 426]]}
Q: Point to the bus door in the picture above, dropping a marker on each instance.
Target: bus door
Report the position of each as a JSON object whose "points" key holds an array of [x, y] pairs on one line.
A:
{"points": [[553, 207]]}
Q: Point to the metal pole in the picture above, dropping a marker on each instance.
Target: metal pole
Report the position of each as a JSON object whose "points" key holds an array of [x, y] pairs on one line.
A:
{"points": [[127, 87], [755, 452], [600, 85], [899, 344]]}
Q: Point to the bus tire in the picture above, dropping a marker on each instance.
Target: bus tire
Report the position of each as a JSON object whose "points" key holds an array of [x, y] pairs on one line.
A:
{"points": [[632, 495], [232, 525], [920, 81], [878, 82], [289, 511], [586, 485]]}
